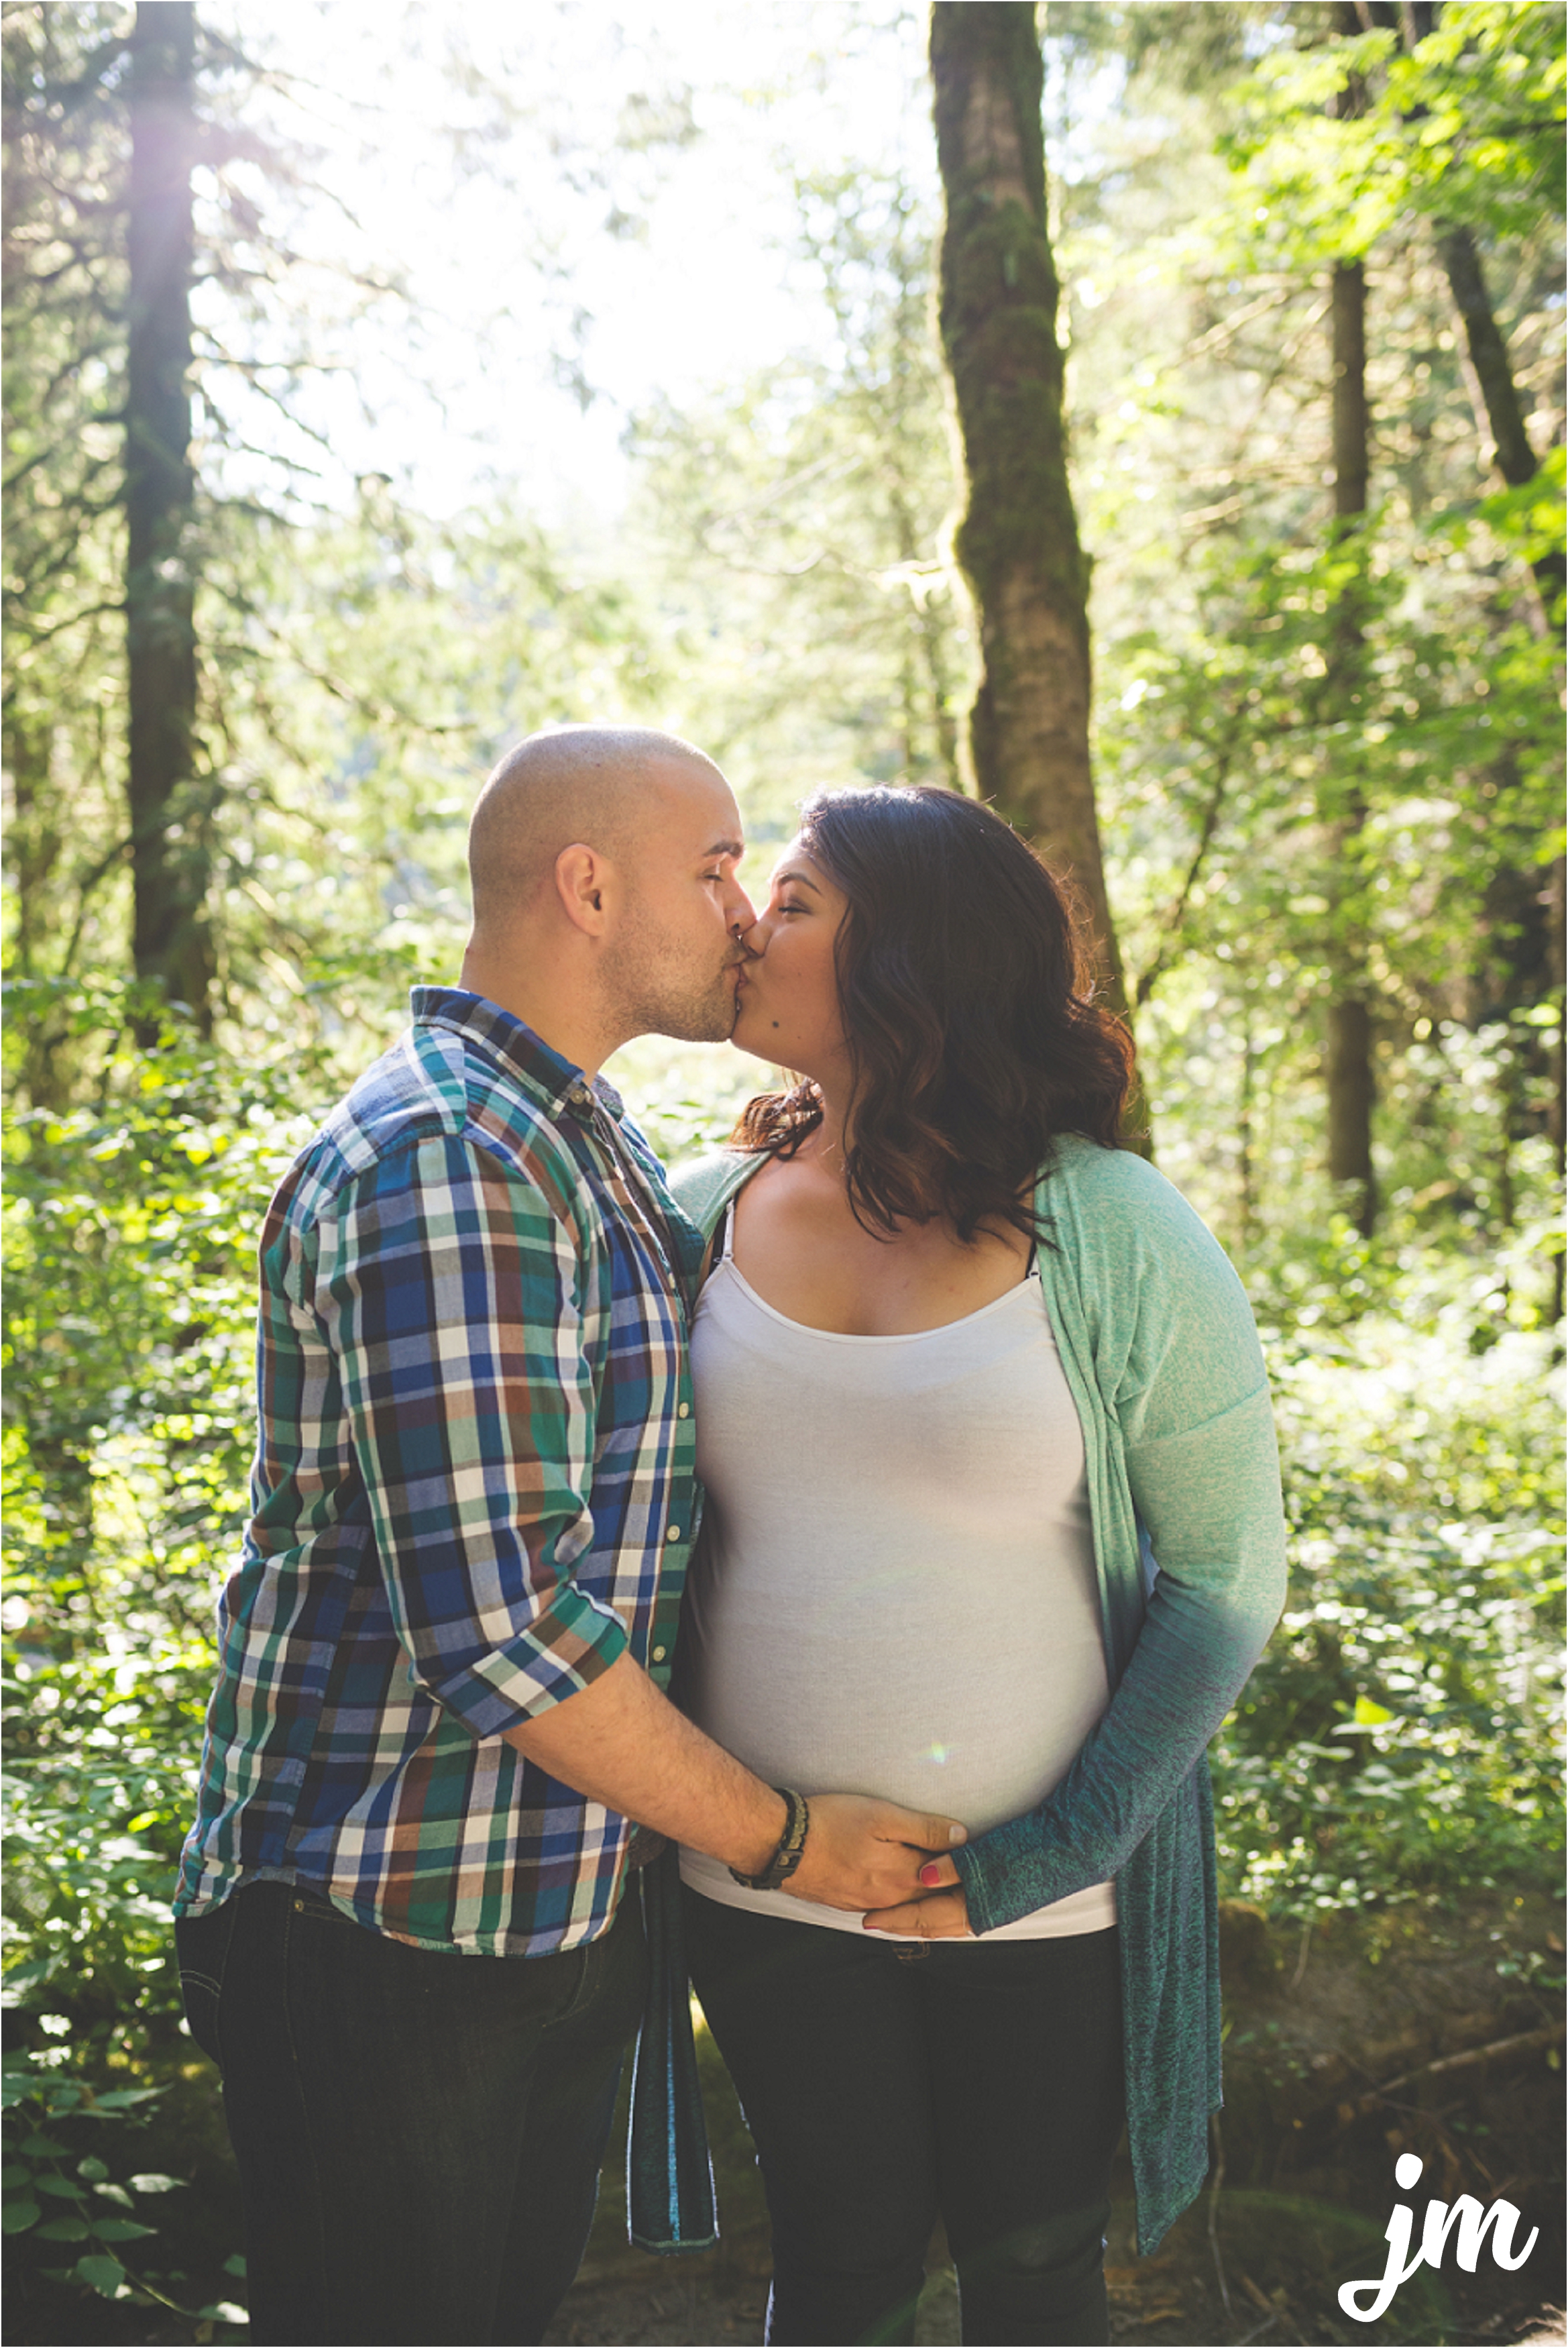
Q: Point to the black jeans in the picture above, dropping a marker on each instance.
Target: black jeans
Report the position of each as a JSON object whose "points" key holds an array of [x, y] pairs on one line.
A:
{"points": [[419, 2134], [883, 2085]]}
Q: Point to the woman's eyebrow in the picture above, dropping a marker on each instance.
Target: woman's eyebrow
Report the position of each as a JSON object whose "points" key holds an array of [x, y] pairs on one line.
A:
{"points": [[805, 880]]}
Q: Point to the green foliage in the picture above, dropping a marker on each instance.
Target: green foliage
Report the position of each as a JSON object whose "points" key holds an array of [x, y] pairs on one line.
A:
{"points": [[128, 1341], [68, 2219], [1396, 1741], [781, 590], [1467, 126]]}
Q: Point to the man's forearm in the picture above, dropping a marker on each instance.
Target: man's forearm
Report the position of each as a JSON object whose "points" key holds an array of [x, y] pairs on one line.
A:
{"points": [[621, 1742]]}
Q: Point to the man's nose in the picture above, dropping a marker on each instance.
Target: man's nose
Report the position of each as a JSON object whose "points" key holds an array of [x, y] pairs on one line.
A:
{"points": [[742, 912]]}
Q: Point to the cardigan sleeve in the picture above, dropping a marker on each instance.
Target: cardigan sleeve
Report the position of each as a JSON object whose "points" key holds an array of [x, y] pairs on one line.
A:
{"points": [[1181, 1374]]}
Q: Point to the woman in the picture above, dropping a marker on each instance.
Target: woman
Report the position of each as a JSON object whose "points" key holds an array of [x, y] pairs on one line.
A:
{"points": [[955, 1352]]}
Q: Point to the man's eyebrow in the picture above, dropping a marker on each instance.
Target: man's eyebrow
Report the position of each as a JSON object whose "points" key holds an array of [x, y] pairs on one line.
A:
{"points": [[735, 848], [793, 873]]}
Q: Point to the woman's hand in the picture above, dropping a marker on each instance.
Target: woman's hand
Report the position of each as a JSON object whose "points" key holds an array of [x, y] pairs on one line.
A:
{"points": [[941, 1915]]}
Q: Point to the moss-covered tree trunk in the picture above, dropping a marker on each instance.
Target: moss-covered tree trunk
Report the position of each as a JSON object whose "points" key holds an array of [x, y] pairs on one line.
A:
{"points": [[1017, 543], [170, 857]]}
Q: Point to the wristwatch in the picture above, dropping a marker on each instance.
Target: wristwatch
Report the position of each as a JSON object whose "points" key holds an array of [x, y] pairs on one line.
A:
{"points": [[790, 1846]]}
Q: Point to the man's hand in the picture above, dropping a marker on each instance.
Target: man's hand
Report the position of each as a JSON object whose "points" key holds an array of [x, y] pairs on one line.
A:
{"points": [[862, 1853], [934, 1914]]}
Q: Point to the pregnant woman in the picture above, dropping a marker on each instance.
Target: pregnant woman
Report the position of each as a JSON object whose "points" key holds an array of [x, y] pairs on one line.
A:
{"points": [[964, 1369]]}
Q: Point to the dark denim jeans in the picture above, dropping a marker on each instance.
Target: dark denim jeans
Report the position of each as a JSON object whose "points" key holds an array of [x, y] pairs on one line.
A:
{"points": [[883, 2085], [419, 2135]]}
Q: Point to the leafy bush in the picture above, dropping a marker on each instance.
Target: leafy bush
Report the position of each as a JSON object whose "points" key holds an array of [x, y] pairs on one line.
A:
{"points": [[1397, 1739], [61, 2203]]}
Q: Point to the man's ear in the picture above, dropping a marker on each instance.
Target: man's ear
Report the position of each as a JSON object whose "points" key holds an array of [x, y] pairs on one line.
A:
{"points": [[581, 879]]}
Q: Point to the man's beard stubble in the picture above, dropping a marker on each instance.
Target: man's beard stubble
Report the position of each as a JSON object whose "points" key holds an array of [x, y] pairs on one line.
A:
{"points": [[658, 993]]}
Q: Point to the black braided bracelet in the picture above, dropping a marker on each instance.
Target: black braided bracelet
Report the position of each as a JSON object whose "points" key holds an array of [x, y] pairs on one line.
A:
{"points": [[790, 1846]]}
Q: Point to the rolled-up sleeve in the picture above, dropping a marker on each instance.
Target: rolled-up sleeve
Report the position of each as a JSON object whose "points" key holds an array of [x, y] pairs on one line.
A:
{"points": [[450, 1290]]}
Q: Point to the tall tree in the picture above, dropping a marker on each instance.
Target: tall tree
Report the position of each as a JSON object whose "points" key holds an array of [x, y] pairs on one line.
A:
{"points": [[63, 574], [1348, 1073], [1017, 541], [170, 824]]}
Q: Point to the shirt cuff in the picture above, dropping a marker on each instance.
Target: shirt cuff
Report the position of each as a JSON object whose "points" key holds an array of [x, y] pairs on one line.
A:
{"points": [[565, 1647]]}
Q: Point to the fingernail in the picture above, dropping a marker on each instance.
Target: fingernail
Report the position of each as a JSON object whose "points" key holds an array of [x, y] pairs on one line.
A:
{"points": [[958, 1834], [929, 1876]]}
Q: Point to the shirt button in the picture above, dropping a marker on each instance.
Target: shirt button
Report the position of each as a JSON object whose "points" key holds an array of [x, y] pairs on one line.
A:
{"points": [[659, 1653], [674, 1533], [683, 1410]]}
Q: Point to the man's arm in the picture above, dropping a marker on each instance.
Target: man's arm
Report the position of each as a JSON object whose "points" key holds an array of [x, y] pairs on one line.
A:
{"points": [[447, 1289], [622, 1744]]}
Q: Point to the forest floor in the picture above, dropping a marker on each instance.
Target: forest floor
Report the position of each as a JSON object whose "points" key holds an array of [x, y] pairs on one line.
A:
{"points": [[1331, 2066], [1436, 2030]]}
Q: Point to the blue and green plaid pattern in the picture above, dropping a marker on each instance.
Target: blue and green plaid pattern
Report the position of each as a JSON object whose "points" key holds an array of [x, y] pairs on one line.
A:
{"points": [[474, 1489]]}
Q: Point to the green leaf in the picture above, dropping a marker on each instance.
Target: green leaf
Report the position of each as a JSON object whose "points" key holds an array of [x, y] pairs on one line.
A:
{"points": [[16, 2172], [65, 2187], [92, 2169], [65, 2229], [16, 2217], [42, 2147], [114, 2193], [100, 2272], [120, 2229], [154, 2182], [1369, 1714], [236, 2265]]}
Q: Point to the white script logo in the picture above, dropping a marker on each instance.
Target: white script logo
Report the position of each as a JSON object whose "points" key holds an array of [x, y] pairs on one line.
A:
{"points": [[1468, 2217]]}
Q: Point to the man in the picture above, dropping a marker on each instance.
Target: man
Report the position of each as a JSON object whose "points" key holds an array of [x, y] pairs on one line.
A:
{"points": [[402, 1926]]}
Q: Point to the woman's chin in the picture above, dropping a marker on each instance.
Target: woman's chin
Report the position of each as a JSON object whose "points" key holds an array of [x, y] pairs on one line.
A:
{"points": [[751, 1033]]}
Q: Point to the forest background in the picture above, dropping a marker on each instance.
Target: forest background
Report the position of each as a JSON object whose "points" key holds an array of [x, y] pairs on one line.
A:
{"points": [[588, 364]]}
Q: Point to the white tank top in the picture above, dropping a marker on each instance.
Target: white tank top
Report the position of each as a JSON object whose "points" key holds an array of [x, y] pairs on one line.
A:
{"points": [[895, 1592]]}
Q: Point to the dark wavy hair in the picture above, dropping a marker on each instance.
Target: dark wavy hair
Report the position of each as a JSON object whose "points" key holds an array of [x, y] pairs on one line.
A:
{"points": [[965, 993]]}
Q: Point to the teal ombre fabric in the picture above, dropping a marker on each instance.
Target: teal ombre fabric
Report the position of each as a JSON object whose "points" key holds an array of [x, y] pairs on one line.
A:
{"points": [[670, 2199], [1158, 1345]]}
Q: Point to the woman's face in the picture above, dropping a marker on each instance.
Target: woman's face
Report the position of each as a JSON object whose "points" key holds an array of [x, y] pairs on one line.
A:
{"points": [[788, 991]]}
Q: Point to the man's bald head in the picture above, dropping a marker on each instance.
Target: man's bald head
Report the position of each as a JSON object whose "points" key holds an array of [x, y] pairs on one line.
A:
{"points": [[599, 785]]}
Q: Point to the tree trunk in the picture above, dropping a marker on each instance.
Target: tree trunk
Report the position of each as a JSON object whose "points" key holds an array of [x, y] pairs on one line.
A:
{"points": [[1491, 365], [171, 855], [1348, 1066], [1556, 904], [1017, 543], [1511, 452]]}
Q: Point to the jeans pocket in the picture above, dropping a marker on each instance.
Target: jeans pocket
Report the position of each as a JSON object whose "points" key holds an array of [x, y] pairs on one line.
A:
{"points": [[201, 1943]]}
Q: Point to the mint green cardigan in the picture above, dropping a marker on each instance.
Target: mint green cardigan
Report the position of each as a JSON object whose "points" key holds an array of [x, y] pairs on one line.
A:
{"points": [[1157, 1342]]}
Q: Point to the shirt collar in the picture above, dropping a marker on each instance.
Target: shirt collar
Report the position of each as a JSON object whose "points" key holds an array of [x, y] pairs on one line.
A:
{"points": [[513, 1044]]}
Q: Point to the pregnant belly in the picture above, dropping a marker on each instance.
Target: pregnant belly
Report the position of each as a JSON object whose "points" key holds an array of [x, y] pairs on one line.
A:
{"points": [[885, 1681]]}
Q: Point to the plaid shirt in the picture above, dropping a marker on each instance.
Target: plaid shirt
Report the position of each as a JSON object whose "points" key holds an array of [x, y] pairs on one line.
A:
{"points": [[474, 1489]]}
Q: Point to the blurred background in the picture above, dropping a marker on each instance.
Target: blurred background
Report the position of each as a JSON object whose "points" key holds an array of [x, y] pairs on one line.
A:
{"points": [[384, 384]]}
